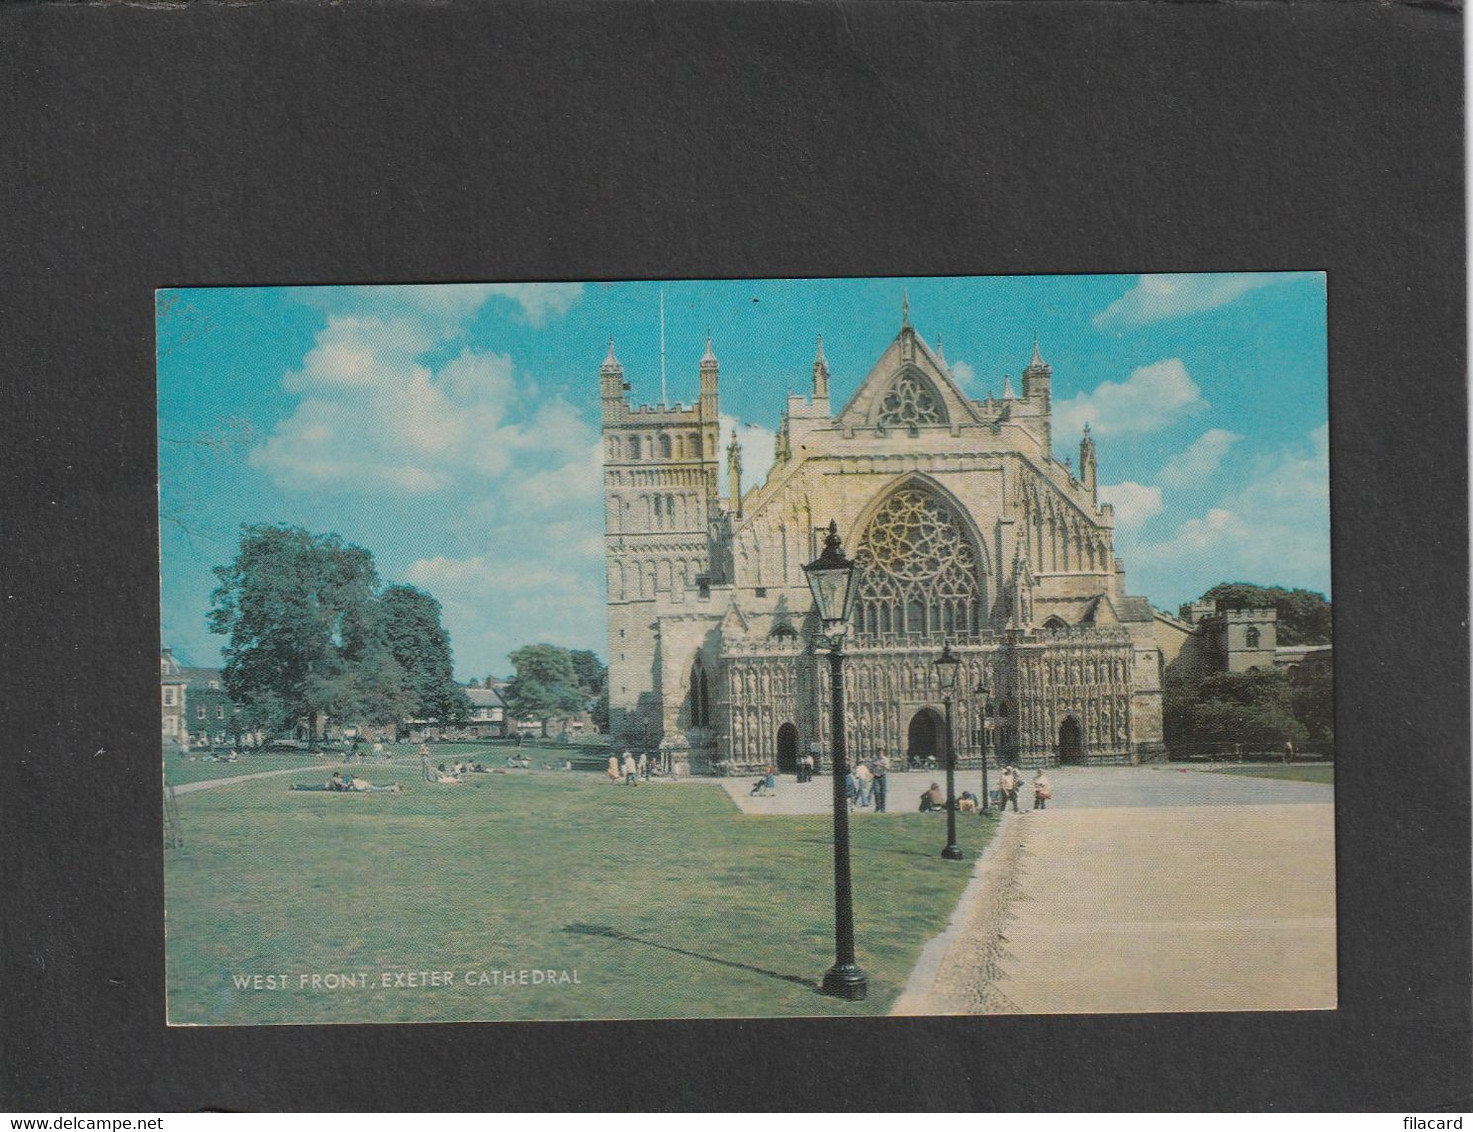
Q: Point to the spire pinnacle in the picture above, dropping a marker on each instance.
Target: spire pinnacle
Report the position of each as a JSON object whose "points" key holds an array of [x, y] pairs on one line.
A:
{"points": [[1007, 388], [904, 309], [819, 357], [940, 350], [1037, 357], [611, 360], [709, 355]]}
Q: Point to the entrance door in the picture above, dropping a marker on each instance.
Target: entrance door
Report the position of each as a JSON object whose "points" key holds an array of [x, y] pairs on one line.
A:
{"points": [[926, 739], [787, 749], [1071, 742]]}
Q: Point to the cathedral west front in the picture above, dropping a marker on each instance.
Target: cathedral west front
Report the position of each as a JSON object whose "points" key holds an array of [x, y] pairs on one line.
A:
{"points": [[966, 529]]}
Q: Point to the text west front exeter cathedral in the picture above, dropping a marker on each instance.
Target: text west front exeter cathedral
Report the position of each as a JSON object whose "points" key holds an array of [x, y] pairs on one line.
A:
{"points": [[967, 530]]}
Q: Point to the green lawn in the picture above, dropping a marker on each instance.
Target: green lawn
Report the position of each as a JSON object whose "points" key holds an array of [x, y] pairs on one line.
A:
{"points": [[664, 898], [178, 771], [1323, 774]]}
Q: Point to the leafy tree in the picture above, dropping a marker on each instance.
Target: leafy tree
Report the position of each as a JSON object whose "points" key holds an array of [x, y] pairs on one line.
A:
{"points": [[590, 671], [1303, 615], [1259, 709], [420, 646], [298, 609], [600, 710], [546, 684]]}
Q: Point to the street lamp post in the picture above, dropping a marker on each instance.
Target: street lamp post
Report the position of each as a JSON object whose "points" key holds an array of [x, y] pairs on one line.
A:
{"points": [[947, 666], [832, 578], [986, 711]]}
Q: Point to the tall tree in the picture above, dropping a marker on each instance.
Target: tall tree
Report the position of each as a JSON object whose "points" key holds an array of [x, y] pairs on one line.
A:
{"points": [[545, 685], [299, 612], [590, 671], [420, 645]]}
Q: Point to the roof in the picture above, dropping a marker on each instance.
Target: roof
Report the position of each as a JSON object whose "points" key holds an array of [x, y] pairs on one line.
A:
{"points": [[485, 697], [1133, 609]]}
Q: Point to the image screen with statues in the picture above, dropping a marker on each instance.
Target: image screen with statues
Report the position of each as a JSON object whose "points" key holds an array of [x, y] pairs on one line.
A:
{"points": [[746, 648]]}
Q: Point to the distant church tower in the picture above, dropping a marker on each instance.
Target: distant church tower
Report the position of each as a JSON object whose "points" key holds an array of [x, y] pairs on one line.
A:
{"points": [[661, 498]]}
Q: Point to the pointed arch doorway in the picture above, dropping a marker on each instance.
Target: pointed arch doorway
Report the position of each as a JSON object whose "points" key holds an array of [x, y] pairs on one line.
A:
{"points": [[926, 739], [787, 749], [1071, 741]]}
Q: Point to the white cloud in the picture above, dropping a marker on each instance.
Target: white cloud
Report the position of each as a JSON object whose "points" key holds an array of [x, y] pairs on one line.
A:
{"points": [[1134, 503], [1157, 297], [757, 452], [1200, 460], [1274, 529], [446, 306], [1150, 398], [963, 372]]}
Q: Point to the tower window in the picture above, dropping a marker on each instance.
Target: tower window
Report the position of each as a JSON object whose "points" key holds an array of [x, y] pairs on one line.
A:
{"points": [[634, 448], [1254, 637]]}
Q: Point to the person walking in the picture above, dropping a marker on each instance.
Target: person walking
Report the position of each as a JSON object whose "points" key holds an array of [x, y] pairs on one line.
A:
{"points": [[424, 762], [1042, 791], [881, 770], [851, 787], [1007, 787], [862, 781], [1288, 752], [644, 765], [631, 769], [614, 767]]}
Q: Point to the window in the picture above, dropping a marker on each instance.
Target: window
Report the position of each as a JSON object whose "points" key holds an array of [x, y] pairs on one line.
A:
{"points": [[920, 570], [1254, 637], [634, 448], [912, 401], [168, 697], [200, 712], [664, 447], [220, 712]]}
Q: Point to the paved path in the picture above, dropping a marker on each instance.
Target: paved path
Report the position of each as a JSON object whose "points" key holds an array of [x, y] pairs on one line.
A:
{"points": [[208, 783], [1073, 788], [1153, 908]]}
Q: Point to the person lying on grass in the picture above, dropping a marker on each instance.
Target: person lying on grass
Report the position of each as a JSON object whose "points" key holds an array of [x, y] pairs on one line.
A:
{"points": [[346, 783]]}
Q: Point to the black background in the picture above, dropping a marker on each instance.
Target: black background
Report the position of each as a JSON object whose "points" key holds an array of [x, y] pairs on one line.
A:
{"points": [[305, 143]]}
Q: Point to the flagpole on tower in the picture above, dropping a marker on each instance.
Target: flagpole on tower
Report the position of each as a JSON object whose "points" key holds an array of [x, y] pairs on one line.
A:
{"points": [[664, 397]]}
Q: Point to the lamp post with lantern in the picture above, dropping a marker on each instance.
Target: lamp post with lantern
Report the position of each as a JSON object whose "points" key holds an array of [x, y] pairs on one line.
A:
{"points": [[982, 692], [947, 667], [833, 579]]}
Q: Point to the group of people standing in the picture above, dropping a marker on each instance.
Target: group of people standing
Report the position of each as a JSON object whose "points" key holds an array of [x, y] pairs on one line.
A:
{"points": [[1011, 783], [866, 784], [630, 769]]}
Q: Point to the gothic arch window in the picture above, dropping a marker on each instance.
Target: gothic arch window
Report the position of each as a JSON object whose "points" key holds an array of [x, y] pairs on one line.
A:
{"points": [[664, 447], [695, 444], [700, 696], [634, 448], [1054, 623], [680, 447], [1254, 638], [911, 401], [921, 573]]}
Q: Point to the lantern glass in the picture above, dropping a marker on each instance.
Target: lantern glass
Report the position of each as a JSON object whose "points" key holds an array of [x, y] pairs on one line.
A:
{"points": [[831, 578], [947, 668]]}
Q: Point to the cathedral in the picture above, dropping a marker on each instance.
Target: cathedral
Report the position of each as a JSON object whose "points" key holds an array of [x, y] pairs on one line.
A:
{"points": [[966, 531]]}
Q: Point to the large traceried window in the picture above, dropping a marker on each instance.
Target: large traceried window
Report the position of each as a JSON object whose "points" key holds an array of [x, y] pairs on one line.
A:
{"points": [[920, 571], [911, 402]]}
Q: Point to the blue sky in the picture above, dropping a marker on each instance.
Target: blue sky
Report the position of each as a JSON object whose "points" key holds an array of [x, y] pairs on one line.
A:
{"points": [[453, 429]]}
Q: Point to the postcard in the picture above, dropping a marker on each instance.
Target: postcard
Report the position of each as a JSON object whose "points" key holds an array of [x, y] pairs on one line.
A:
{"points": [[746, 648]]}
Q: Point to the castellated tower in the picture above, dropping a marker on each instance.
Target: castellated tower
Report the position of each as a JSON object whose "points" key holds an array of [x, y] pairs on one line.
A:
{"points": [[660, 503]]}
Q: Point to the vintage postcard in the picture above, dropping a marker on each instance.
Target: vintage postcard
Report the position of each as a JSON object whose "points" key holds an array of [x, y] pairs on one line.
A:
{"points": [[746, 648]]}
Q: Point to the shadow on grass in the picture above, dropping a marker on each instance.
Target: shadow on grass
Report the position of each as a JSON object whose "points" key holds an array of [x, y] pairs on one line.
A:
{"points": [[623, 937]]}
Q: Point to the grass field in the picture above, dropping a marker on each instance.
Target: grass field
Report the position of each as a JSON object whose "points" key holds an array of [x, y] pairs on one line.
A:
{"points": [[404, 758], [663, 898], [1323, 774]]}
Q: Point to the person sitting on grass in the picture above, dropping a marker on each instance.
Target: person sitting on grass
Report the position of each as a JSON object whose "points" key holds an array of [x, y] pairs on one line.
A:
{"points": [[765, 785], [933, 800], [967, 803], [364, 786]]}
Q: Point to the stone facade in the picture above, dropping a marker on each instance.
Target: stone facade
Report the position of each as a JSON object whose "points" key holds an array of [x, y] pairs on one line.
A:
{"points": [[967, 530]]}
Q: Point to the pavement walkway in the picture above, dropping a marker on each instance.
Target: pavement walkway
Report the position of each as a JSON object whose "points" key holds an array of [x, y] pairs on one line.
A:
{"points": [[208, 783], [1195, 907], [1074, 787]]}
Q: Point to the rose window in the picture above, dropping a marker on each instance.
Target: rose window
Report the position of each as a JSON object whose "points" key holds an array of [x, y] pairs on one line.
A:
{"points": [[911, 402], [920, 575]]}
